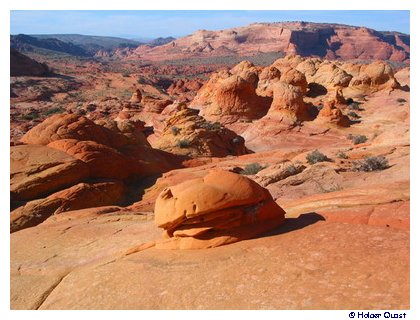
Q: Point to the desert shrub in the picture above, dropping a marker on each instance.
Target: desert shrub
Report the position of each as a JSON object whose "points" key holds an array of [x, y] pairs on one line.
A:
{"points": [[30, 116], [142, 80], [252, 168], [342, 155], [292, 169], [125, 94], [211, 125], [316, 156], [175, 130], [126, 74], [371, 164], [353, 115], [354, 106], [183, 143], [54, 110], [91, 107], [401, 100], [357, 139]]}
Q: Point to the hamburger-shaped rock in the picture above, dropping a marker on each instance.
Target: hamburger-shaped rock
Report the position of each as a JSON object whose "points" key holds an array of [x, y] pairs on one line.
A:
{"points": [[218, 209]]}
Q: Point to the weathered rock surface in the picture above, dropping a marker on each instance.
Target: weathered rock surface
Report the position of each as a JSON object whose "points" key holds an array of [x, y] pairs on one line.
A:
{"points": [[79, 196], [71, 126], [230, 96], [218, 209], [356, 258], [330, 114], [187, 133], [288, 104], [136, 96], [36, 171], [376, 74], [103, 161], [155, 105], [75, 265]]}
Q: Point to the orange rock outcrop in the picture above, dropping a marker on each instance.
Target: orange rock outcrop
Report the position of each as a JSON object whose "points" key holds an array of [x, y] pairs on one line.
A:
{"points": [[221, 208]]}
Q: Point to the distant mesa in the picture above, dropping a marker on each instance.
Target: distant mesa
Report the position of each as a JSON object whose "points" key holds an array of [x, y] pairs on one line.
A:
{"points": [[331, 41]]}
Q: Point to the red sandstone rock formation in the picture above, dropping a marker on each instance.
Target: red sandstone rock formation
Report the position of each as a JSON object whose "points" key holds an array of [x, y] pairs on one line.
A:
{"points": [[136, 97], [330, 114], [154, 105], [78, 150], [79, 196], [331, 41], [218, 209], [187, 133], [230, 96], [38, 170]]}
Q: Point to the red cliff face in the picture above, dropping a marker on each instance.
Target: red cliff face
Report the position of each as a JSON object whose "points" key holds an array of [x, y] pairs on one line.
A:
{"points": [[331, 41]]}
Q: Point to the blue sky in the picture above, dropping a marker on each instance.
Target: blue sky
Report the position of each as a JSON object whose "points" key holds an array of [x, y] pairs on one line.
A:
{"points": [[152, 24]]}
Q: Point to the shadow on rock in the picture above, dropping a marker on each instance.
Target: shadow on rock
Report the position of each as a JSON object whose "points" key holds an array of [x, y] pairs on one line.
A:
{"points": [[292, 224]]}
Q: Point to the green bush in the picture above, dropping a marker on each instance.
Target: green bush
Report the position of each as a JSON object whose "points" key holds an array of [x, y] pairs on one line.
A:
{"points": [[354, 106], [342, 155], [30, 116], [357, 139], [371, 164], [52, 111], [251, 169], [183, 144], [353, 115], [316, 156], [211, 125], [292, 169], [175, 130]]}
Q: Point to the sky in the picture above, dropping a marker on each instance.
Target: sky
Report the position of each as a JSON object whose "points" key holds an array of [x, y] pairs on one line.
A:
{"points": [[153, 24]]}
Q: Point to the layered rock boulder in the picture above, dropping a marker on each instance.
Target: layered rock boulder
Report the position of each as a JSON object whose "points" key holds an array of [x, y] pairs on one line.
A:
{"points": [[96, 144], [71, 162], [218, 209], [37, 170], [187, 133], [136, 96], [230, 96], [378, 75], [72, 126], [331, 76], [268, 76], [331, 115], [103, 161], [403, 76], [79, 196], [288, 104], [295, 78], [151, 104]]}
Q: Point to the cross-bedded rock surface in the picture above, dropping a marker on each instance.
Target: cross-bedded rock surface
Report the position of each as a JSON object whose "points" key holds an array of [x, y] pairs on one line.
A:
{"points": [[291, 178]]}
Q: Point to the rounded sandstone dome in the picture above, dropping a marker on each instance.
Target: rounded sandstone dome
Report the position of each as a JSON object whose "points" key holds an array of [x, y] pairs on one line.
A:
{"points": [[220, 208]]}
